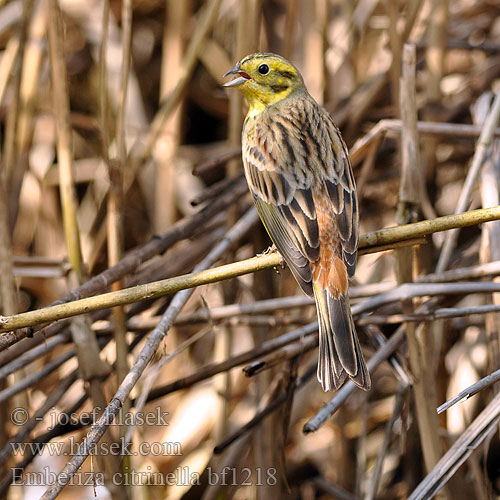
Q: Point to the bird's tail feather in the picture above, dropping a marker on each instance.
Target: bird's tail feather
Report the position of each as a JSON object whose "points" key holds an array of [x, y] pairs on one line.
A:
{"points": [[339, 350]]}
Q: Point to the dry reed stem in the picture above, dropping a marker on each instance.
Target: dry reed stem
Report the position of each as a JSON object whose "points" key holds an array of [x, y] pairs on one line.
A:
{"points": [[232, 457], [153, 372], [419, 340], [64, 143], [244, 38], [429, 315], [84, 338], [10, 154], [8, 289], [434, 58], [8, 297], [165, 155], [490, 240], [469, 441], [172, 285], [7, 64], [59, 429], [396, 45], [455, 130], [31, 379], [34, 353], [88, 352], [279, 356], [103, 94], [483, 144], [115, 196], [139, 154], [332, 490], [32, 66], [473, 389], [388, 437]]}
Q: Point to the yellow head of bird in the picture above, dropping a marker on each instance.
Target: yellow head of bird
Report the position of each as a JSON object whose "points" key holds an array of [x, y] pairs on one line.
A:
{"points": [[265, 79]]}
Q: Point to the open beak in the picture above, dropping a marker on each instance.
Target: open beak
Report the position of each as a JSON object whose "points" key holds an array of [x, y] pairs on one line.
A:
{"points": [[242, 78]]}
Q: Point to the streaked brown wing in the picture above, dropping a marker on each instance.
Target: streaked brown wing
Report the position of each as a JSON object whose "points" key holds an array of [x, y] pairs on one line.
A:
{"points": [[287, 155], [286, 209], [286, 242], [340, 185]]}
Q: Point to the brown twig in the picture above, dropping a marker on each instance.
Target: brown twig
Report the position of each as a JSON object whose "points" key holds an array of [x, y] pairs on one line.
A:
{"points": [[470, 391]]}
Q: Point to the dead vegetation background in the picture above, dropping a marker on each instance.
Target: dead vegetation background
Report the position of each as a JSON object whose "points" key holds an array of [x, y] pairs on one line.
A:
{"points": [[120, 166]]}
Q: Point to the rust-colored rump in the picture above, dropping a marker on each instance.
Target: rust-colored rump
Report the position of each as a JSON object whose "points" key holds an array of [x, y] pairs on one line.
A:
{"points": [[329, 271]]}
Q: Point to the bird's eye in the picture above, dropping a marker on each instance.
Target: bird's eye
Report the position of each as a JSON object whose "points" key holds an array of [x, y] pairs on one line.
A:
{"points": [[263, 69]]}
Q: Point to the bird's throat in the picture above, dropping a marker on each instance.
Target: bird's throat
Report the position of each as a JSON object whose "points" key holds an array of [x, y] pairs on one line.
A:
{"points": [[260, 100]]}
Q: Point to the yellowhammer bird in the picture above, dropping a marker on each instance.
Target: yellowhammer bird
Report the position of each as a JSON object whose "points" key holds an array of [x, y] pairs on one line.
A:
{"points": [[298, 171]]}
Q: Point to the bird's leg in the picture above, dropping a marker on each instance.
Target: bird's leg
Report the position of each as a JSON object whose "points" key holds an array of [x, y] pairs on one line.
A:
{"points": [[269, 250], [273, 249]]}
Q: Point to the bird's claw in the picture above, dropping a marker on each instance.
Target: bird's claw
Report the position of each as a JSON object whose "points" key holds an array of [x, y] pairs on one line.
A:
{"points": [[268, 251]]}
